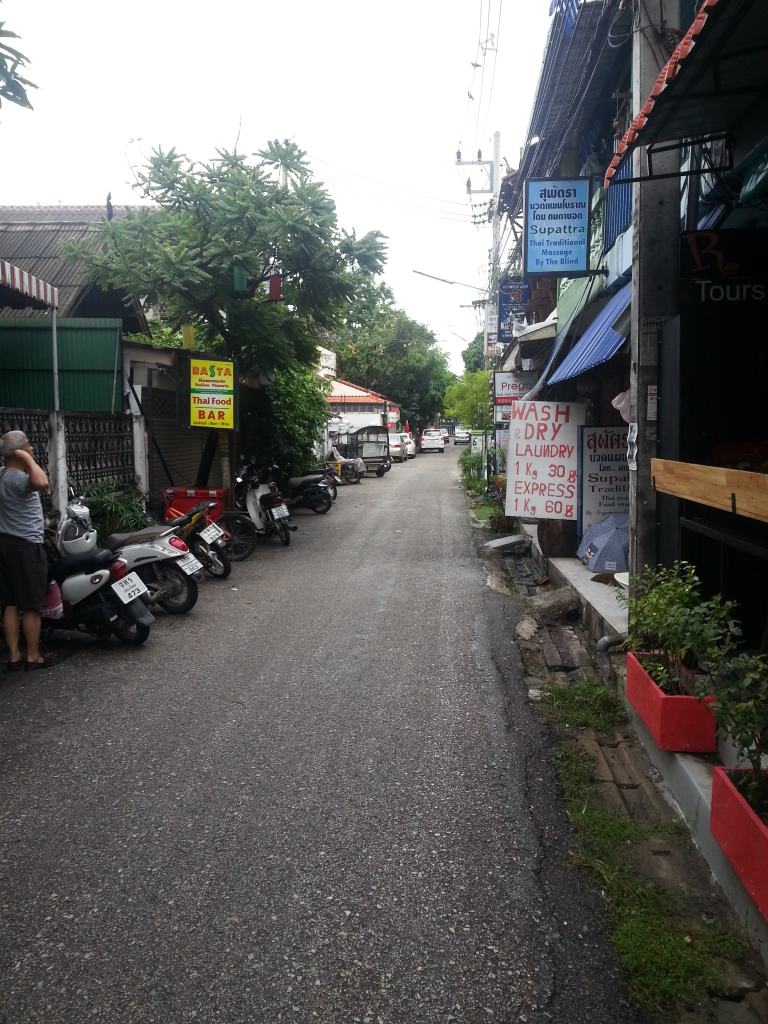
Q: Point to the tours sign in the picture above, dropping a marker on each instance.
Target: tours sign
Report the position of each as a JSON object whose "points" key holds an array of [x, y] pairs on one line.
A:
{"points": [[557, 227], [212, 393]]}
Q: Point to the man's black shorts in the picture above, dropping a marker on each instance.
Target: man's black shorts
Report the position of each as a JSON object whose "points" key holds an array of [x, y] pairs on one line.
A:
{"points": [[23, 573]]}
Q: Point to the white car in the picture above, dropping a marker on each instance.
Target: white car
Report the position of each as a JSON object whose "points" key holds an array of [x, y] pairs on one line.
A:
{"points": [[397, 450], [446, 435], [410, 446], [461, 435], [432, 441]]}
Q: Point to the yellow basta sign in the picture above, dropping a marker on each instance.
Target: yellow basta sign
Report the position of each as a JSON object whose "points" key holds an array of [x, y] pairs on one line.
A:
{"points": [[212, 393]]}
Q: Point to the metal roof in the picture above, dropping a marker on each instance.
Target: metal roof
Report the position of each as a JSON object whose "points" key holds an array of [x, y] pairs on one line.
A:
{"points": [[31, 238], [716, 76]]}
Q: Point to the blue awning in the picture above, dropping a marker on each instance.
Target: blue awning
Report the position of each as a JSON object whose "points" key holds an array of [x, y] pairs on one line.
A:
{"points": [[599, 343]]}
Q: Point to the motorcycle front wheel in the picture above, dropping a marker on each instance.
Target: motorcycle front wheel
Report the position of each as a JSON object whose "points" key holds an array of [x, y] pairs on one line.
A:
{"points": [[215, 562], [243, 537]]}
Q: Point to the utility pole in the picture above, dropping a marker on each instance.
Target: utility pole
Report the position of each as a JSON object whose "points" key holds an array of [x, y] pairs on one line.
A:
{"points": [[494, 188], [495, 254], [656, 221]]}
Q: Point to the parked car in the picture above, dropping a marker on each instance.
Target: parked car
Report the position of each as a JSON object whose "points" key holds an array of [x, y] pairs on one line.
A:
{"points": [[410, 446], [446, 435], [461, 435], [397, 450], [432, 441]]}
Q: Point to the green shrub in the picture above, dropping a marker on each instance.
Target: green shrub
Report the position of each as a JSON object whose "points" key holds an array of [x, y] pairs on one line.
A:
{"points": [[472, 466]]}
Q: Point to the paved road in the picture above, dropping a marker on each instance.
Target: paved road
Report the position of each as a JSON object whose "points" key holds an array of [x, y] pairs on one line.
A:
{"points": [[321, 796]]}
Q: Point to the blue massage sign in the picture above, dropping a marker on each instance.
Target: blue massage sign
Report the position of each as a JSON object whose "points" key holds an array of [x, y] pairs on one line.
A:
{"points": [[557, 227]]}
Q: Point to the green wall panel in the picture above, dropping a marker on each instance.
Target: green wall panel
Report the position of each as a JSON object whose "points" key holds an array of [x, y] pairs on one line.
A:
{"points": [[87, 353]]}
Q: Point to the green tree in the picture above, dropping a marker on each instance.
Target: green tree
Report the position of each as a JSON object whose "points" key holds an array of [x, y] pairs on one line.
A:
{"points": [[161, 335], [287, 419], [382, 348], [473, 356], [214, 235], [13, 87], [467, 400]]}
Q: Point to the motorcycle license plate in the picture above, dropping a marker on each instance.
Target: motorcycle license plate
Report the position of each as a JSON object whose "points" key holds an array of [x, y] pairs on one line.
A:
{"points": [[211, 533], [280, 511], [129, 588], [189, 564]]}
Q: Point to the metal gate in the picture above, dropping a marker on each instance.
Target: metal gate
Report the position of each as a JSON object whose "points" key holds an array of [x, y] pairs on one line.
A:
{"points": [[99, 447]]}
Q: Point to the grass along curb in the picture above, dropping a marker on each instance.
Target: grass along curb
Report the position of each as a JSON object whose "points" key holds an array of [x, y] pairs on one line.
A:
{"points": [[674, 962]]}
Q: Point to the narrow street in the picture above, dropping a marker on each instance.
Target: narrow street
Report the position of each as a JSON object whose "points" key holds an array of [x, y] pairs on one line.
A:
{"points": [[320, 796]]}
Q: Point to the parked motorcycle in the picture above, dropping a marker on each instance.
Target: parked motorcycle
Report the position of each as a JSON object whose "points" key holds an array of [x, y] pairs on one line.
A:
{"points": [[165, 564], [258, 493], [99, 595], [313, 490], [206, 539]]}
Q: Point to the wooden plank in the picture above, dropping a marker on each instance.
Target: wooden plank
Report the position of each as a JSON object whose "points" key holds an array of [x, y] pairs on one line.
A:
{"points": [[732, 490]]}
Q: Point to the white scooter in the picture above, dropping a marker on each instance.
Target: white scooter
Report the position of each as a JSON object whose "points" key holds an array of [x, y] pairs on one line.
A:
{"points": [[164, 563], [264, 503], [98, 594]]}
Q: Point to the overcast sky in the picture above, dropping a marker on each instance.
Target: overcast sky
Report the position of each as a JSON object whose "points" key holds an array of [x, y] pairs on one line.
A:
{"points": [[376, 93]]}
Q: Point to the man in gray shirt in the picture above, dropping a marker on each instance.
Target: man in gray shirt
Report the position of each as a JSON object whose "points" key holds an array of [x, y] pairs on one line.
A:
{"points": [[23, 563]]}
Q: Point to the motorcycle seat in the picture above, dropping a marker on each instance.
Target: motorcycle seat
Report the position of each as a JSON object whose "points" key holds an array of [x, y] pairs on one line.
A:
{"points": [[71, 565], [304, 481], [149, 533]]}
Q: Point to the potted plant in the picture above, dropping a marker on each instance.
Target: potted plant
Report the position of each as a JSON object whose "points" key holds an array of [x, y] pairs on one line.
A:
{"points": [[739, 816], [674, 639]]}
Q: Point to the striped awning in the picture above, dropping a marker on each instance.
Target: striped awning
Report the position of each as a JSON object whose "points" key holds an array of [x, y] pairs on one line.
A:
{"points": [[28, 285]]}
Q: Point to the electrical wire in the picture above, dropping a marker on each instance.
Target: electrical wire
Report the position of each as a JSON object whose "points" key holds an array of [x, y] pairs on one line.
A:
{"points": [[495, 59], [385, 184], [482, 74], [399, 202], [475, 65]]}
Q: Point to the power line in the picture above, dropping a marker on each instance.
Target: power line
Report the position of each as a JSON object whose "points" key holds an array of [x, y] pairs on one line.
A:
{"points": [[495, 58], [402, 202], [385, 184], [482, 73]]}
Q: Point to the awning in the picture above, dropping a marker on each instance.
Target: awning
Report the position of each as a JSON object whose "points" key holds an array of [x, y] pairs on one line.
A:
{"points": [[15, 283], [544, 331], [599, 343], [716, 74]]}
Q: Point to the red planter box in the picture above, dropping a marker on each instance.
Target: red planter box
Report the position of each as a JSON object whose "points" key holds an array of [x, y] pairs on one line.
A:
{"points": [[742, 837], [684, 724]]}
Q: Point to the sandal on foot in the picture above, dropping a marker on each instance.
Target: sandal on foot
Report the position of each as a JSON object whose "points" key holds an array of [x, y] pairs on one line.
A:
{"points": [[46, 660], [15, 666]]}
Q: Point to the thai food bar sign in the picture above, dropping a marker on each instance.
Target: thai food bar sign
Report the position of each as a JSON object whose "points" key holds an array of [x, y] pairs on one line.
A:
{"points": [[211, 393], [557, 227], [543, 460]]}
